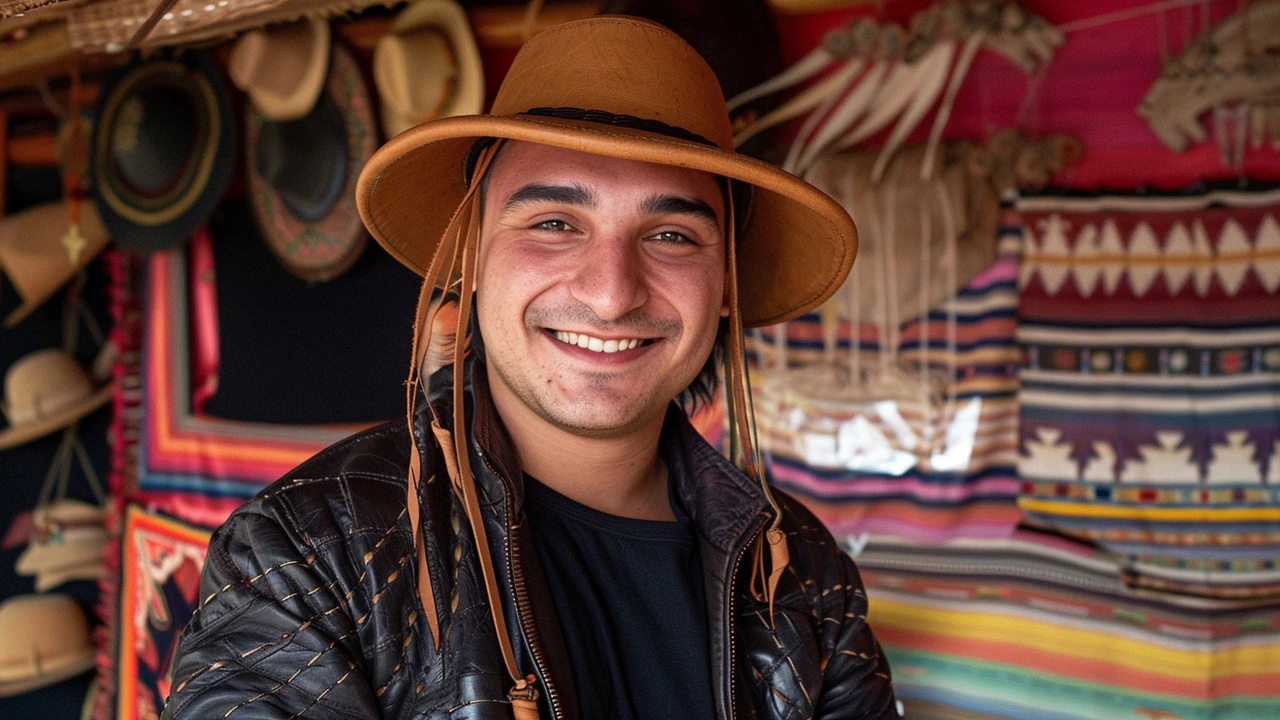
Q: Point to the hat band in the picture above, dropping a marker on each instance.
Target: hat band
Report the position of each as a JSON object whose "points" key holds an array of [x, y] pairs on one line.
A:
{"points": [[626, 121]]}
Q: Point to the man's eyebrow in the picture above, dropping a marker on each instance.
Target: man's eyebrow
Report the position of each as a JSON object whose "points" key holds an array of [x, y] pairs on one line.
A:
{"points": [[565, 194], [676, 205]]}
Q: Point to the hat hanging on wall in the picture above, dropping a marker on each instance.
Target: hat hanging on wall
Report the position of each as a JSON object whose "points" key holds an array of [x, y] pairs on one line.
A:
{"points": [[39, 256], [427, 66], [46, 391], [46, 641], [302, 174], [163, 148], [282, 68]]}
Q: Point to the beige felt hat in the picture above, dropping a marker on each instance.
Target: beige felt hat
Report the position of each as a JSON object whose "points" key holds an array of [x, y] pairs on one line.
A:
{"points": [[46, 640], [39, 257], [45, 391], [427, 66], [282, 67]]}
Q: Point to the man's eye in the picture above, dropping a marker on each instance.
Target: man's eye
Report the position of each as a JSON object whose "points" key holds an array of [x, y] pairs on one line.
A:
{"points": [[670, 236], [554, 225]]}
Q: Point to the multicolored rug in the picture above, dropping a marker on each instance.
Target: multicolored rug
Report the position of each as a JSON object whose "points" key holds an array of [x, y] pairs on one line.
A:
{"points": [[1150, 402]]}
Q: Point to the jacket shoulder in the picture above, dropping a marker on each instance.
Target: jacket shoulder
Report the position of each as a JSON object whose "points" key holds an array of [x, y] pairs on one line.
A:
{"points": [[354, 486]]}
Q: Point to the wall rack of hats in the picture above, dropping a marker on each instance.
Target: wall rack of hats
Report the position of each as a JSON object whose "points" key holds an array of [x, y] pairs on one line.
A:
{"points": [[1041, 413]]}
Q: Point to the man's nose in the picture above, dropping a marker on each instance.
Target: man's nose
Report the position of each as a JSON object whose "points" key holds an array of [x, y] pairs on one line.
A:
{"points": [[610, 278]]}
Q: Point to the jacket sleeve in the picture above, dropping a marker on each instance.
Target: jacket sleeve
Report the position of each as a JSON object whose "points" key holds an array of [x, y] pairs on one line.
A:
{"points": [[856, 682], [270, 637]]}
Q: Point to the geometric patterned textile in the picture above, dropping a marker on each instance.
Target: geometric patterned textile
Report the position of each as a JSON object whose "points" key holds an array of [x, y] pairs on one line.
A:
{"points": [[197, 467], [925, 454], [159, 580], [1026, 630], [1150, 400]]}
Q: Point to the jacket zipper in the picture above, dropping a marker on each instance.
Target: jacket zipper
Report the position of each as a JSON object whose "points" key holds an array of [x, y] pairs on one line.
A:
{"points": [[733, 633], [516, 586]]}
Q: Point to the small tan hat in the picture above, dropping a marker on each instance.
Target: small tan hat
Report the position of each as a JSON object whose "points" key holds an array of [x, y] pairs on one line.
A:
{"points": [[38, 255], [283, 67], [45, 391], [46, 640], [427, 66]]}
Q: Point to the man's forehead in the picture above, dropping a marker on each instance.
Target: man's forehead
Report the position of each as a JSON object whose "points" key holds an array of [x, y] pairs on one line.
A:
{"points": [[520, 162]]}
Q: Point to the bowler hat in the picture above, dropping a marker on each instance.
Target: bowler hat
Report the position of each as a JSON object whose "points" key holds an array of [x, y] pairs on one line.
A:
{"points": [[163, 149], [628, 88]]}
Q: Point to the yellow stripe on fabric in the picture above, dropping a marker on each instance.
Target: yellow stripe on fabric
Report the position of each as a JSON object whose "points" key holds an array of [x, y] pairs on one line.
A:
{"points": [[1202, 514], [1074, 642]]}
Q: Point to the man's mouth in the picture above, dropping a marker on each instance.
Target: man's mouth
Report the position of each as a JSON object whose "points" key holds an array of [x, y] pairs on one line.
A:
{"points": [[600, 345]]}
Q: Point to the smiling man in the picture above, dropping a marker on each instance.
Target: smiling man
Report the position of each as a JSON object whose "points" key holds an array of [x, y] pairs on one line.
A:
{"points": [[544, 534]]}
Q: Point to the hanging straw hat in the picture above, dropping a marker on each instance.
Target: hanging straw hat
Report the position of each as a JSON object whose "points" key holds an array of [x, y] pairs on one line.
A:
{"points": [[282, 67], [39, 256], [427, 66], [302, 175], [46, 640], [163, 149], [45, 391], [628, 88]]}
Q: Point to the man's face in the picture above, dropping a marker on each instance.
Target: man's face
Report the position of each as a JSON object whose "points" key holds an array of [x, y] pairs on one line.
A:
{"points": [[601, 283]]}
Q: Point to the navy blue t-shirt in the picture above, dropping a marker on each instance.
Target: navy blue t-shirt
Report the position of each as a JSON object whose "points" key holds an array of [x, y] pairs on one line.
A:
{"points": [[631, 603]]}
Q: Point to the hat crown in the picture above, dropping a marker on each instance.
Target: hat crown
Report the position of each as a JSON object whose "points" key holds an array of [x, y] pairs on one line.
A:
{"points": [[619, 65], [43, 383]]}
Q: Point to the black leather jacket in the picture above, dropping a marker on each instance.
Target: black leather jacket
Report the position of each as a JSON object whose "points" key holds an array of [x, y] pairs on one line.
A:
{"points": [[308, 605]]}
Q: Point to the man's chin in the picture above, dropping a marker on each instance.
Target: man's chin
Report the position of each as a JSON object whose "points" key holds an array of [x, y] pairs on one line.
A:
{"points": [[600, 419]]}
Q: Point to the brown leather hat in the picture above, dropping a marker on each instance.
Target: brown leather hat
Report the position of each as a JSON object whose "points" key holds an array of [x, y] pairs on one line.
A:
{"points": [[627, 88]]}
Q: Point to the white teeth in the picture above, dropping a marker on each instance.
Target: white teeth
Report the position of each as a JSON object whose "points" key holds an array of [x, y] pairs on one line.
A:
{"points": [[596, 344]]}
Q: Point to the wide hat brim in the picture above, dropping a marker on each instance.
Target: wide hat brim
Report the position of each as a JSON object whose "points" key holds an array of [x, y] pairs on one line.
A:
{"points": [[321, 250], [16, 435], [795, 251], [144, 223]]}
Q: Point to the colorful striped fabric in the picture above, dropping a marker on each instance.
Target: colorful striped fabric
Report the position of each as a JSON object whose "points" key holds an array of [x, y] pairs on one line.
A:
{"points": [[1150, 401], [914, 455], [1020, 629]]}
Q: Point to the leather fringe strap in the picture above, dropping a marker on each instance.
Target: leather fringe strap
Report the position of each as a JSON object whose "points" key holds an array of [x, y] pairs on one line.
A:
{"points": [[459, 245], [743, 440]]}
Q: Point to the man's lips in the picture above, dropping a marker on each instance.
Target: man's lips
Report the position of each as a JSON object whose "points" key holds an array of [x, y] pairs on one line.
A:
{"points": [[600, 346]]}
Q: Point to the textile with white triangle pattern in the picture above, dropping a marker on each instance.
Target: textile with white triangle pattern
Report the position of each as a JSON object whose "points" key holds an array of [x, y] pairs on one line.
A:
{"points": [[1150, 400]]}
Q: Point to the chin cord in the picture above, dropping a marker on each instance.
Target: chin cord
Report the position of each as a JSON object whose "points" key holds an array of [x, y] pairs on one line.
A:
{"points": [[460, 245], [744, 445]]}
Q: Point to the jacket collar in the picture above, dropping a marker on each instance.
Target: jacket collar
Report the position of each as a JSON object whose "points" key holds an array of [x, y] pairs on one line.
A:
{"points": [[720, 499]]}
